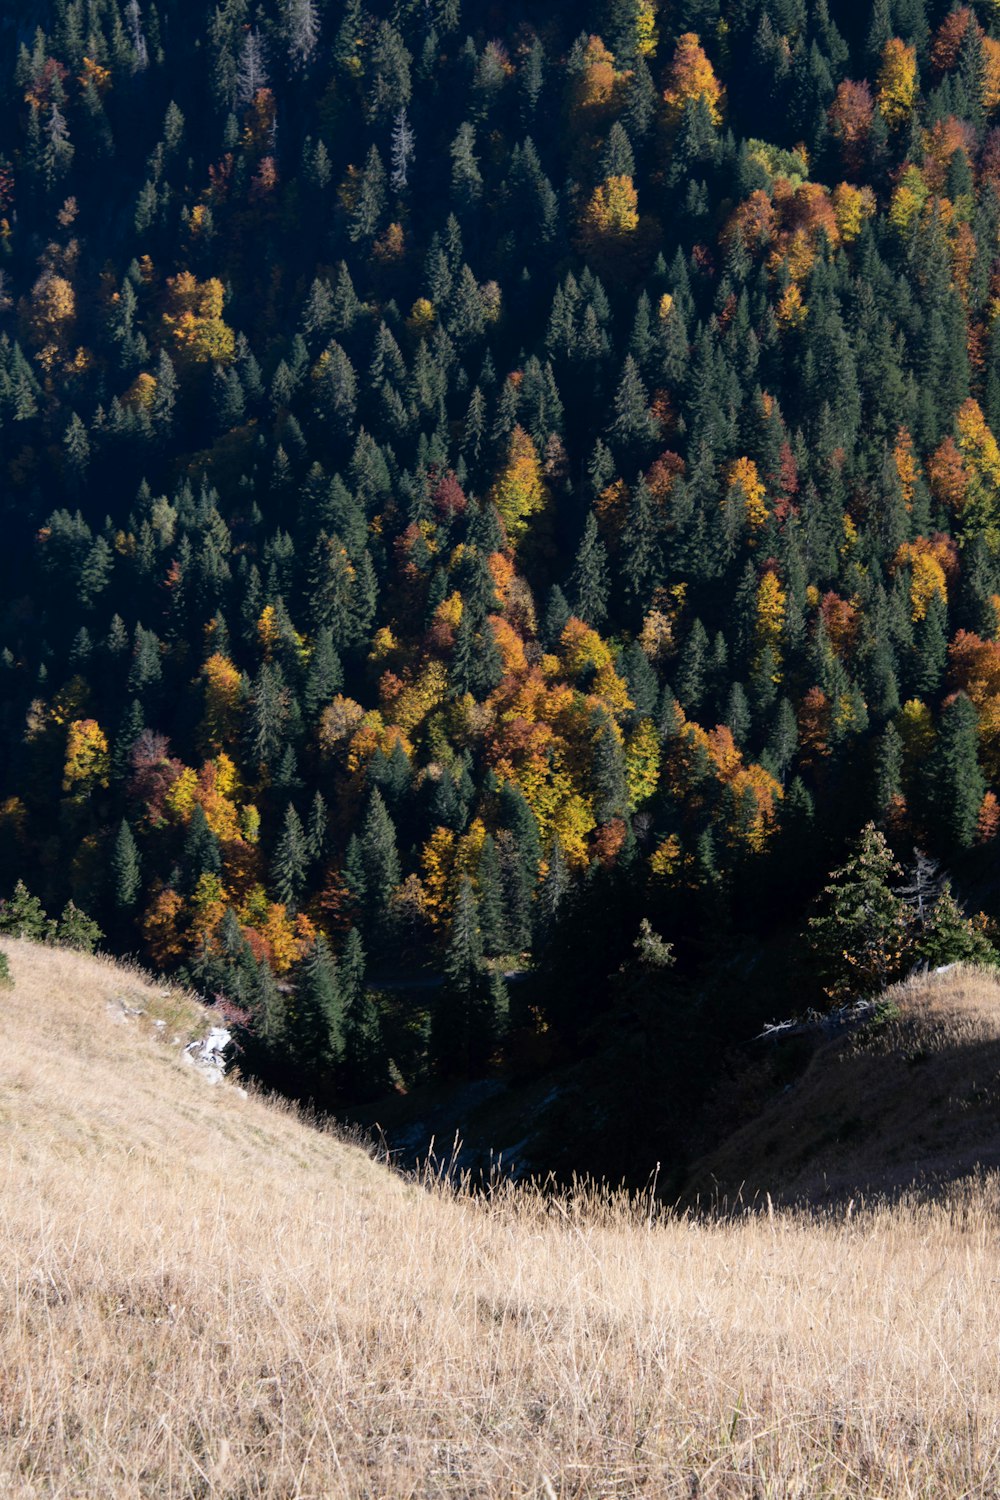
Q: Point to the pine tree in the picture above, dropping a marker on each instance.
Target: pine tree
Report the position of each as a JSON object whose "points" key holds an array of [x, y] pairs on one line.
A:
{"points": [[489, 888], [641, 562], [370, 202], [692, 669], [22, 915], [379, 856], [949, 937], [315, 1035], [126, 869], [469, 1009], [633, 425], [466, 178], [290, 861], [860, 931], [888, 769], [202, 855], [518, 818], [324, 677], [75, 929], [552, 893], [608, 772], [589, 585], [317, 831], [957, 784], [403, 151], [364, 1053]]}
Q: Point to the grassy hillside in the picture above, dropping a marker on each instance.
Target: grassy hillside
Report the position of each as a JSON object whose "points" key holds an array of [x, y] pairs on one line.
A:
{"points": [[911, 1099], [203, 1296]]}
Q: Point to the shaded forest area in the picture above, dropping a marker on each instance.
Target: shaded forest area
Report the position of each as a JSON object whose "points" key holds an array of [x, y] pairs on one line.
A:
{"points": [[483, 496]]}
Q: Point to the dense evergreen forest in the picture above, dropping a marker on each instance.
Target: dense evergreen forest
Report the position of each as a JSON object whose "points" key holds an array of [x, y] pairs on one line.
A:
{"points": [[495, 498]]}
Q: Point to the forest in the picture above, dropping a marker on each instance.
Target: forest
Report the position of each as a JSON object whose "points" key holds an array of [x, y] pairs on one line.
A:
{"points": [[499, 501]]}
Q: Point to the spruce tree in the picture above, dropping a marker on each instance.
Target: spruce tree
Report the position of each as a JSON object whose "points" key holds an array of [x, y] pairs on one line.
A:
{"points": [[859, 933], [379, 857], [957, 784], [315, 1033], [290, 861], [950, 937], [126, 869], [588, 585]]}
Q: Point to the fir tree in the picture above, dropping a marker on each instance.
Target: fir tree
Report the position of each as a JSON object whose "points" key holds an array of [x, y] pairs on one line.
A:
{"points": [[859, 933], [315, 1036], [950, 937], [290, 861], [589, 585], [126, 869], [957, 783]]}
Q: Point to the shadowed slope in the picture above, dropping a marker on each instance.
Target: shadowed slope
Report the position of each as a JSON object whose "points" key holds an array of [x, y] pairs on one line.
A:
{"points": [[913, 1099]]}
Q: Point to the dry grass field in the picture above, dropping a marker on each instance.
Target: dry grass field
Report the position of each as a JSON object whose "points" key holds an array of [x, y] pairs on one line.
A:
{"points": [[200, 1295]]}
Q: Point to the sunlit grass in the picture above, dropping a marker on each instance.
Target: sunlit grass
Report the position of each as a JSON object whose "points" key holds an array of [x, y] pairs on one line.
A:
{"points": [[202, 1295]]}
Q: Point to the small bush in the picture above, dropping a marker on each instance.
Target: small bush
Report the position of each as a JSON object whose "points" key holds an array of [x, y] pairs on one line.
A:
{"points": [[6, 978]]}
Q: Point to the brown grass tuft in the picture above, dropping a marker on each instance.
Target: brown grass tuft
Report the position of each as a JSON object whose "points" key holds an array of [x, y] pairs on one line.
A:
{"points": [[202, 1296]]}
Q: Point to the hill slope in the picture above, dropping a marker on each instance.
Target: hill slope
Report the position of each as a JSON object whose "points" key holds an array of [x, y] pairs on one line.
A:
{"points": [[912, 1099], [201, 1295]]}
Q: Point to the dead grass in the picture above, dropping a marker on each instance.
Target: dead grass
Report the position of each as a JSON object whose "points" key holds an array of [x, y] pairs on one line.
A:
{"points": [[201, 1296], [914, 1099]]}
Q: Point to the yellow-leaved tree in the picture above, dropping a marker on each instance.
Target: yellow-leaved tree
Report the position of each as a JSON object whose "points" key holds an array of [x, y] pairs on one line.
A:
{"points": [[692, 77], [897, 82], [520, 491], [194, 318]]}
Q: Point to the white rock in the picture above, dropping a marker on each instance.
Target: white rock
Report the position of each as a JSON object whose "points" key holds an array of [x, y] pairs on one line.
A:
{"points": [[208, 1054]]}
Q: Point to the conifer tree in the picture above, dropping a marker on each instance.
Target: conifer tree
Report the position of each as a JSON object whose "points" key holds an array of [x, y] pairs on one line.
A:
{"points": [[860, 931], [957, 783], [314, 1037], [379, 856], [589, 585], [291, 859], [950, 937], [126, 869]]}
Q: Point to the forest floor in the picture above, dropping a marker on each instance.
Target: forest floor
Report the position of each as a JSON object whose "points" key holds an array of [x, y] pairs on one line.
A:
{"points": [[202, 1294]]}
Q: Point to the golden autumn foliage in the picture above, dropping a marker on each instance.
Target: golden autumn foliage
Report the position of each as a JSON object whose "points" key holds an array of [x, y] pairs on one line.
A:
{"points": [[611, 215], [981, 462], [86, 764], [646, 34], [907, 467], [598, 85], [850, 116], [908, 199], [338, 722], [946, 471], [753, 223], [743, 474], [417, 698], [696, 753], [643, 755], [931, 560], [690, 77], [223, 690], [770, 619], [915, 724], [520, 491], [897, 82], [974, 668], [163, 930], [840, 618], [437, 863], [792, 311], [194, 319], [851, 207], [665, 859]]}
